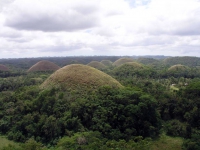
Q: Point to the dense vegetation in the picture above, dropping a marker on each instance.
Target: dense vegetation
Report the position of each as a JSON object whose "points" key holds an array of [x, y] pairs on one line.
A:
{"points": [[78, 107]]}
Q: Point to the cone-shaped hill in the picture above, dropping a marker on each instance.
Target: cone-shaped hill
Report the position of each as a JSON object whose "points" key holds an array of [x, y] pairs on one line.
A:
{"points": [[78, 77], [3, 68], [107, 62], [179, 70], [96, 64], [131, 69], [44, 65], [122, 61]]}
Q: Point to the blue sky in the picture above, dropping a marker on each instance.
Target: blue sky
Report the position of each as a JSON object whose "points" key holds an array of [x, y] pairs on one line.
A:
{"points": [[37, 28]]}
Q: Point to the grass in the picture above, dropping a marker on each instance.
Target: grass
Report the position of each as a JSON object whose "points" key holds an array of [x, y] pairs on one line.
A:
{"points": [[130, 69], [77, 76], [167, 143], [5, 142], [106, 62], [96, 64], [173, 88], [134, 64], [122, 61], [44, 66], [178, 67]]}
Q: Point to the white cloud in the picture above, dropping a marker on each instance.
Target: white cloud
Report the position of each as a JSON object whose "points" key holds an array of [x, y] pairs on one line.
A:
{"points": [[99, 27], [51, 15]]}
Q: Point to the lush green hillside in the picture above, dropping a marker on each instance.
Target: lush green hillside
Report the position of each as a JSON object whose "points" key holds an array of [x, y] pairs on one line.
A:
{"points": [[187, 61], [132, 69], [80, 107], [4, 142], [148, 61]]}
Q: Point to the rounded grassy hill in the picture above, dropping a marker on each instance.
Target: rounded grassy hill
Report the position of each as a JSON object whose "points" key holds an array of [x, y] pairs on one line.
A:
{"points": [[131, 69], [107, 62], [3, 68], [122, 61], [44, 65], [96, 64], [177, 68], [79, 77]]}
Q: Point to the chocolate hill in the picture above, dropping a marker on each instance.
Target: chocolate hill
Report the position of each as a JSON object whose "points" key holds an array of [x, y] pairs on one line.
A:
{"points": [[44, 65], [3, 68], [122, 61], [96, 64], [78, 77]]}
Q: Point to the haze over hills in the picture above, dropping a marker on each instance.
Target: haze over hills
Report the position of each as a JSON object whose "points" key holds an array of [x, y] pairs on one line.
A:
{"points": [[26, 63]]}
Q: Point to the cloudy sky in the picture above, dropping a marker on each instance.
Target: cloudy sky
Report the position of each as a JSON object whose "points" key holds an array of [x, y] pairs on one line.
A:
{"points": [[36, 28]]}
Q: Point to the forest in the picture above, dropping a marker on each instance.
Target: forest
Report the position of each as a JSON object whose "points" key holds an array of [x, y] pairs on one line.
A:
{"points": [[100, 102]]}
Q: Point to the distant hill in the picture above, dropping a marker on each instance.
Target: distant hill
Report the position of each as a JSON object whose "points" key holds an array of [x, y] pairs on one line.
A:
{"points": [[3, 68], [79, 77], [178, 67], [131, 69], [97, 65], [44, 66], [187, 61], [147, 61], [122, 61], [106, 62], [179, 70]]}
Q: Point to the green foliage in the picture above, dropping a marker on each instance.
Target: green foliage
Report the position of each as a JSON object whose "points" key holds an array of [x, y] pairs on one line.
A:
{"points": [[192, 143], [165, 142], [175, 128], [187, 61], [4, 142], [132, 69], [95, 141], [47, 116], [98, 116]]}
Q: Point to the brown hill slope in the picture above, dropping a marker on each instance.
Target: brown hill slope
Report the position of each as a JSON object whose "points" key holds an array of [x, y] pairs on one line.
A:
{"points": [[178, 67], [79, 77], [96, 64], [106, 62], [44, 65], [122, 61], [3, 68]]}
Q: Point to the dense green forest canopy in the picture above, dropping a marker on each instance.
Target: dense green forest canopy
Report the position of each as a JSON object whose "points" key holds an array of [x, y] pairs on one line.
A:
{"points": [[148, 103]]}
